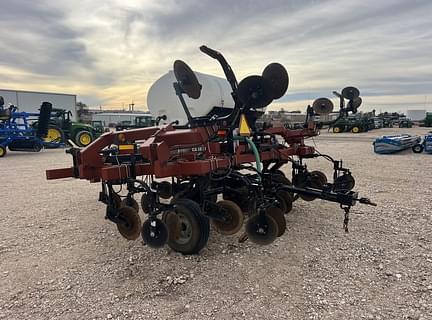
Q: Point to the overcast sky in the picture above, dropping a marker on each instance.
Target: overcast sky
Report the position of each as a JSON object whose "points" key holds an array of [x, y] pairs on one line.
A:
{"points": [[109, 52]]}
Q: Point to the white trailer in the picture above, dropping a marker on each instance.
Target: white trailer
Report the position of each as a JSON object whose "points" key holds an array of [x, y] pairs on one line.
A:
{"points": [[416, 115], [30, 101], [114, 118]]}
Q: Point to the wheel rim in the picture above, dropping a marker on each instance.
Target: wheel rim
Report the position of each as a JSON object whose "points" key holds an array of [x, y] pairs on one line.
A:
{"points": [[2, 152], [355, 130], [53, 135], [185, 232], [336, 130], [85, 139]]}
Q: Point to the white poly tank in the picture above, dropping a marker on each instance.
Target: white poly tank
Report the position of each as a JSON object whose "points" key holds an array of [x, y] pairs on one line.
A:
{"points": [[162, 100]]}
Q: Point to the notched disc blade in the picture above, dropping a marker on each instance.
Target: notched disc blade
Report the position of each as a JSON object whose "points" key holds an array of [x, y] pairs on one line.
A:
{"points": [[277, 75], [187, 79], [322, 106], [350, 93], [255, 92]]}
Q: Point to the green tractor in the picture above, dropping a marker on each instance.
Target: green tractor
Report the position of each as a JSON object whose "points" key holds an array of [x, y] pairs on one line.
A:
{"points": [[143, 121], [427, 122], [387, 123], [352, 124], [62, 128], [405, 123]]}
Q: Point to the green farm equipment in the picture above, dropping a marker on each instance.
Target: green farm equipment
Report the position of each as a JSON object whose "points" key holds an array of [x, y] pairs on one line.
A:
{"points": [[62, 128], [405, 123], [427, 122], [140, 122], [354, 124]]}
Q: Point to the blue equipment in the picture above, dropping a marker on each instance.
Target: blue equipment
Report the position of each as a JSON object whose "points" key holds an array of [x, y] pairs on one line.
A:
{"points": [[425, 145], [16, 134], [395, 143]]}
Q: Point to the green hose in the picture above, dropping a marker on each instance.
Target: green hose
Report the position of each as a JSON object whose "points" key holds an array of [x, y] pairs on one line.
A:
{"points": [[254, 150]]}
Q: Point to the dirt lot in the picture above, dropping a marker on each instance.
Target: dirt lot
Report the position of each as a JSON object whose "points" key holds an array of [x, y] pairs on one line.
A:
{"points": [[59, 258]]}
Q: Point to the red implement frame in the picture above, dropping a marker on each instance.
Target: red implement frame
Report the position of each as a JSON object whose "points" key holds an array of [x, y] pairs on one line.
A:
{"points": [[171, 152]]}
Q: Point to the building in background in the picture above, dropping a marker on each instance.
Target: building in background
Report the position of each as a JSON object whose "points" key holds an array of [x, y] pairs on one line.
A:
{"points": [[30, 101], [416, 115]]}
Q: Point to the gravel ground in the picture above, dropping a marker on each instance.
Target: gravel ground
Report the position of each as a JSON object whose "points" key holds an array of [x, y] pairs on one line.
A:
{"points": [[59, 258]]}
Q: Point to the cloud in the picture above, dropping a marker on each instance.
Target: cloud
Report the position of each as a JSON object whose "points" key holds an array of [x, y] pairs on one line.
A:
{"points": [[109, 52]]}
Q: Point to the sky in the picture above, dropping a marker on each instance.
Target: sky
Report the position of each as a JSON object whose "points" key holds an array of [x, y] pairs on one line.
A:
{"points": [[110, 52]]}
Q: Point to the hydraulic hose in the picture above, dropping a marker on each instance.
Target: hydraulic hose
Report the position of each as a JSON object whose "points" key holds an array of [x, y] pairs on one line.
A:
{"points": [[254, 150]]}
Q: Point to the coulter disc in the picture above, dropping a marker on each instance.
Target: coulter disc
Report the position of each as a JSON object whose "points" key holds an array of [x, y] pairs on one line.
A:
{"points": [[262, 229], [278, 217], [130, 226], [154, 233], [234, 216]]}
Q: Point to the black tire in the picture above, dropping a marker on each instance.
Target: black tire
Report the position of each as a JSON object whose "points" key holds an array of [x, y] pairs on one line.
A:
{"points": [[194, 228], [2, 151], [54, 134], [79, 138], [37, 147], [337, 130], [418, 148]]}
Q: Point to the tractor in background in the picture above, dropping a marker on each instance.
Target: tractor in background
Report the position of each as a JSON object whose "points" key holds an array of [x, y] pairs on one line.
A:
{"points": [[139, 122], [61, 129], [354, 122], [427, 122], [405, 123]]}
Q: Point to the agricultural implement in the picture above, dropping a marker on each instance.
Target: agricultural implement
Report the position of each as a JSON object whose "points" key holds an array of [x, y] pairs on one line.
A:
{"points": [[425, 145], [347, 122], [395, 143], [181, 170], [427, 121], [61, 129], [16, 134]]}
